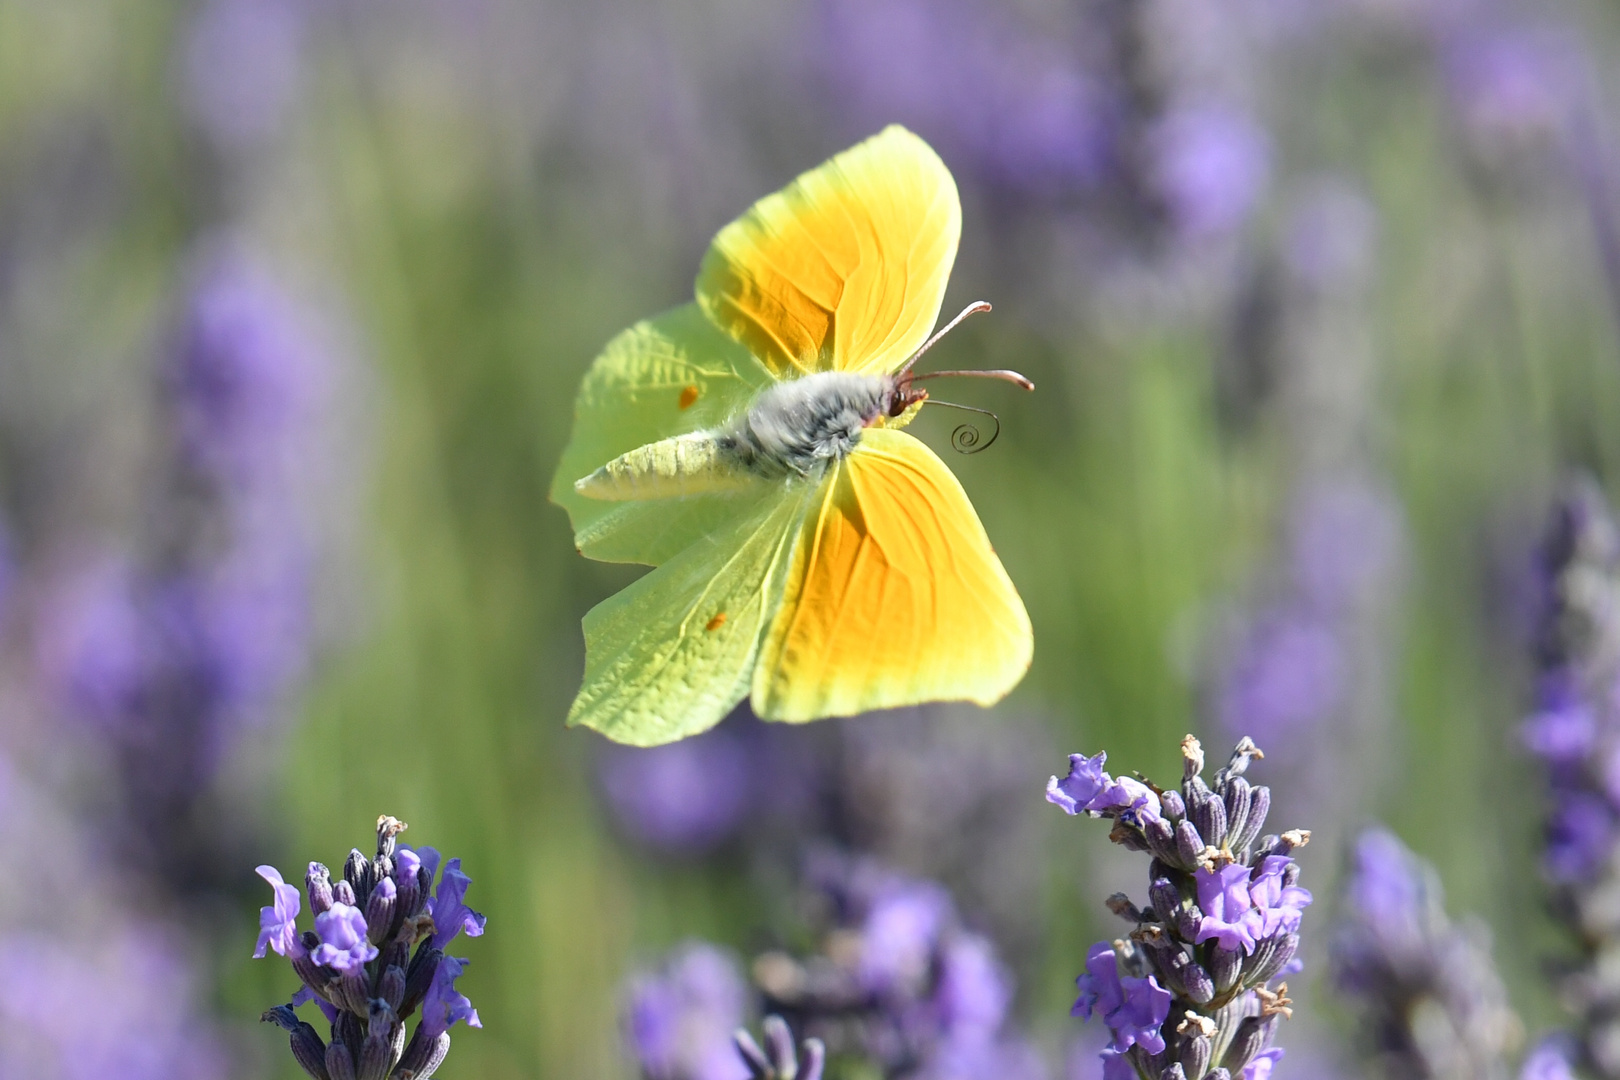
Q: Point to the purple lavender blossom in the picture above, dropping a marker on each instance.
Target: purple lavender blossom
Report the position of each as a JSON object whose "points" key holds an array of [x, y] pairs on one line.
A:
{"points": [[343, 947], [1278, 906], [278, 923], [1513, 87], [444, 1006], [1551, 1059], [1223, 895], [679, 1020], [450, 915], [1088, 789], [1133, 1008]]}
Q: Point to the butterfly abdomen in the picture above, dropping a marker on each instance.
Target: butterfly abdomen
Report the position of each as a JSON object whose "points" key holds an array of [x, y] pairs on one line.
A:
{"points": [[694, 464], [800, 425]]}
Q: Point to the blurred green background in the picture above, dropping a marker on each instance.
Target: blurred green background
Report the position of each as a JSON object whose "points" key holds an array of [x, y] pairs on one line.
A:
{"points": [[487, 191]]}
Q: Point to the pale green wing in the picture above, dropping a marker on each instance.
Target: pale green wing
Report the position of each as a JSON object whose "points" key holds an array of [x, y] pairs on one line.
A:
{"points": [[663, 376], [669, 656]]}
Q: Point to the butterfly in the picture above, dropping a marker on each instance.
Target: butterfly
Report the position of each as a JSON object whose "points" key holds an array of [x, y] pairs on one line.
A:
{"points": [[810, 555]]}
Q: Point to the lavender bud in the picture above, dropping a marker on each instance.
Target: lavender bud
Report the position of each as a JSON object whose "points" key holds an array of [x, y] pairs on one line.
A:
{"points": [[1166, 900], [380, 909], [357, 872], [419, 976], [422, 1056], [1175, 1072], [319, 883], [339, 1063], [307, 1048], [1225, 965], [1121, 905], [391, 988], [1198, 981], [779, 1040], [1161, 839], [1218, 1074], [1253, 1035], [1238, 796], [754, 1058], [343, 893], [1270, 957], [409, 896], [1172, 804], [1210, 817], [1189, 844], [377, 1051], [1259, 807], [396, 954], [354, 993], [1196, 1045], [815, 1059], [1128, 836], [304, 966], [346, 1029]]}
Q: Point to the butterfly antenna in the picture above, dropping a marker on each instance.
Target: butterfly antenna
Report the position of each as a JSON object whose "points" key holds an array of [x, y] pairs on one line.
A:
{"points": [[972, 309], [965, 439]]}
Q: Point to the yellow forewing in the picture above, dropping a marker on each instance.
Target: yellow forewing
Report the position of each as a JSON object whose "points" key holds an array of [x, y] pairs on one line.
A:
{"points": [[843, 269], [895, 596]]}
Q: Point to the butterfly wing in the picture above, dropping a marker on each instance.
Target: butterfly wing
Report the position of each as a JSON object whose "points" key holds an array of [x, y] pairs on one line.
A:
{"points": [[894, 597], [845, 267], [664, 376], [669, 656]]}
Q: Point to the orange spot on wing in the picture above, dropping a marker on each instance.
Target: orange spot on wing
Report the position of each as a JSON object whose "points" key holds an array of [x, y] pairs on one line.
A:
{"points": [[689, 395], [894, 598], [717, 622]]}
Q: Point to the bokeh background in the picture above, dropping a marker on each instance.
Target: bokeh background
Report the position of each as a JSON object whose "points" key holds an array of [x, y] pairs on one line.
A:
{"points": [[1319, 296]]}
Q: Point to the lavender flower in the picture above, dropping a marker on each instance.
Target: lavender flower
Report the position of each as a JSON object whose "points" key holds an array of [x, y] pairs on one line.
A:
{"points": [[374, 957], [684, 798], [1431, 1002], [1188, 993], [902, 986], [680, 1020], [1575, 731]]}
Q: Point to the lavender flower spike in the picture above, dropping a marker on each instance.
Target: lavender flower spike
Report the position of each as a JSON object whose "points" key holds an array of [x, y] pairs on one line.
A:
{"points": [[1575, 732], [372, 959], [1189, 993], [1432, 1004]]}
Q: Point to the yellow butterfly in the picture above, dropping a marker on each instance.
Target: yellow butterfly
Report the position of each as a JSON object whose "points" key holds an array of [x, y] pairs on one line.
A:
{"points": [[809, 554]]}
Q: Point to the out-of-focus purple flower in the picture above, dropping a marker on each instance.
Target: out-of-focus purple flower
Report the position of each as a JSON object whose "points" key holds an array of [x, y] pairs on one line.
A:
{"points": [[680, 1019], [242, 65], [146, 1025], [1580, 836], [898, 936], [342, 930], [974, 991], [1344, 536], [1116, 1066], [444, 1006], [1289, 676], [1513, 86], [278, 923], [1563, 731], [1211, 164], [1223, 896], [1133, 1008], [1404, 963], [684, 798], [450, 915], [1331, 240], [1551, 1059], [997, 97]]}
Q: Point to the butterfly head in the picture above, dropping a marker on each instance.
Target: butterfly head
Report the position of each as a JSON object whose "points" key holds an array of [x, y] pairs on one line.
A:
{"points": [[903, 393]]}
